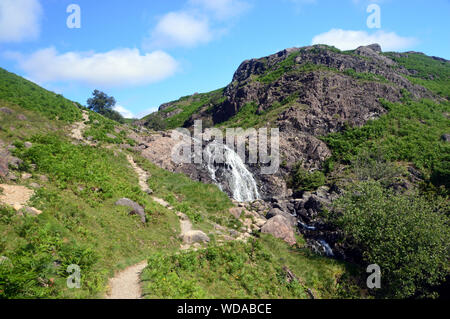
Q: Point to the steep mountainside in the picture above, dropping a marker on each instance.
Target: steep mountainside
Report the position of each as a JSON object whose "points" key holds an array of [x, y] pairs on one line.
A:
{"points": [[309, 93]]}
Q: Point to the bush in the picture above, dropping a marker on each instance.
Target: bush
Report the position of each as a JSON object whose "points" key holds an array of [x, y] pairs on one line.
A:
{"points": [[406, 235], [301, 179]]}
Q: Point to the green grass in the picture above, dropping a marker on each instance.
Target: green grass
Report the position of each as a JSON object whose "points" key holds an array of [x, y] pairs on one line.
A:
{"points": [[80, 223], [244, 270], [30, 96], [103, 130]]}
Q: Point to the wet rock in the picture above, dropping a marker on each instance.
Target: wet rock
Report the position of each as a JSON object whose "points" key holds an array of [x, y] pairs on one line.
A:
{"points": [[136, 208]]}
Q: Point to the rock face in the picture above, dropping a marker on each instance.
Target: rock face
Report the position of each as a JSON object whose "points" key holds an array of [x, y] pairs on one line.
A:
{"points": [[280, 227], [311, 91], [136, 208]]}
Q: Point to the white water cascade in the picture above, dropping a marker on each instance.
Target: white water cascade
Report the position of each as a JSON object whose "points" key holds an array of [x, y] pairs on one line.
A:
{"points": [[234, 173]]}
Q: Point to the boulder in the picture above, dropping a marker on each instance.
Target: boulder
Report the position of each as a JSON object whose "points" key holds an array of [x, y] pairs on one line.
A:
{"points": [[28, 144], [6, 110], [275, 212], [236, 212], [26, 176], [136, 208], [279, 227], [31, 211], [195, 236]]}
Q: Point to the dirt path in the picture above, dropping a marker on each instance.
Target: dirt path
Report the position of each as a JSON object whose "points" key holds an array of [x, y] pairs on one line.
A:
{"points": [[126, 284], [79, 127], [15, 196], [143, 176]]}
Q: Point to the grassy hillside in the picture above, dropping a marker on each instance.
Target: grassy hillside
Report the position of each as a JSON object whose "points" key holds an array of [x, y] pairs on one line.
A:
{"points": [[178, 112], [257, 269], [76, 186], [30, 96]]}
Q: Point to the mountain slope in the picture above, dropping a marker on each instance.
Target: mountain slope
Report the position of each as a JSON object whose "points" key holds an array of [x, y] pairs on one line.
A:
{"points": [[72, 218]]}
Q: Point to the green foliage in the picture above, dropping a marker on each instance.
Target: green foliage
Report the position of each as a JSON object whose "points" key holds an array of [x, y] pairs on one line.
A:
{"points": [[301, 179], [30, 96], [155, 122], [103, 104], [185, 107], [406, 235], [281, 68], [32, 268], [255, 269], [102, 129], [240, 270], [434, 74], [373, 166], [408, 132], [366, 76]]}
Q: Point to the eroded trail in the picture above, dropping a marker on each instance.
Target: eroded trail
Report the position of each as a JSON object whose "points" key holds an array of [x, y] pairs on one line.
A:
{"points": [[126, 284]]}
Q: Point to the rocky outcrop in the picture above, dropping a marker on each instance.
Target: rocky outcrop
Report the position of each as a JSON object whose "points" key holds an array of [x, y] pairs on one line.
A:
{"points": [[312, 91], [136, 208], [7, 161]]}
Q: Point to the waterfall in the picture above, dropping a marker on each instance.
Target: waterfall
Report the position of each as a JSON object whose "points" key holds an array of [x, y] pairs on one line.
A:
{"points": [[234, 174]]}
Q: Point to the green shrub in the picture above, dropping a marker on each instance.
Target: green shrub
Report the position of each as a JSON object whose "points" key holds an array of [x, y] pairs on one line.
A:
{"points": [[301, 179], [408, 236]]}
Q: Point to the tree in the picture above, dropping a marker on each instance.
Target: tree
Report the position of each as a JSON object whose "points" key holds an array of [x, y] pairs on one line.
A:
{"points": [[407, 235], [104, 104]]}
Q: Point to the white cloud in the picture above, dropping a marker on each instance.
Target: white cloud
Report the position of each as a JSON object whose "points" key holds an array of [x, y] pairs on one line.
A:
{"points": [[180, 29], [19, 20], [125, 112], [348, 39], [222, 9], [120, 67]]}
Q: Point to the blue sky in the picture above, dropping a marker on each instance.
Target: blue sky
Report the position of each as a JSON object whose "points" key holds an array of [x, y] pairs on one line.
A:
{"points": [[145, 53]]}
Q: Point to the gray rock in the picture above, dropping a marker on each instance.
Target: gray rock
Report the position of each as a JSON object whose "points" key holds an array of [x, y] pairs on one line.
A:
{"points": [[446, 137], [6, 110], [28, 144], [136, 208], [195, 236]]}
